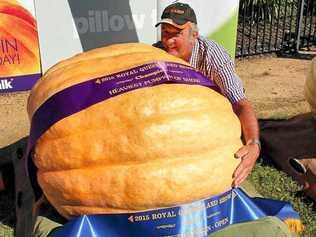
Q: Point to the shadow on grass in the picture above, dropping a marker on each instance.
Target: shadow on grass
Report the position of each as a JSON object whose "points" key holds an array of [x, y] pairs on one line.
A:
{"points": [[271, 182], [7, 199]]}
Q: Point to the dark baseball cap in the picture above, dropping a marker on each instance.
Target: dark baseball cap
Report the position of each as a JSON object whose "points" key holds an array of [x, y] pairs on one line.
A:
{"points": [[178, 14]]}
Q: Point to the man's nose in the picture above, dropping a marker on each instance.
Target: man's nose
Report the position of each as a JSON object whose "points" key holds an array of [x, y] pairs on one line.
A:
{"points": [[171, 41]]}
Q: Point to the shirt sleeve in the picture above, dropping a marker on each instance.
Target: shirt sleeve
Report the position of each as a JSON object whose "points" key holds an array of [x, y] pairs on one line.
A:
{"points": [[224, 75]]}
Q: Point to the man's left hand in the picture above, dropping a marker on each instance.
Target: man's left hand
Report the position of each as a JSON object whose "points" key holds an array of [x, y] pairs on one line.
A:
{"points": [[248, 155]]}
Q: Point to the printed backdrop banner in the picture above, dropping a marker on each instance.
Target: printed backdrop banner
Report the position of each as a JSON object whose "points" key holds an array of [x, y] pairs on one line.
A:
{"points": [[19, 50], [217, 20], [69, 27]]}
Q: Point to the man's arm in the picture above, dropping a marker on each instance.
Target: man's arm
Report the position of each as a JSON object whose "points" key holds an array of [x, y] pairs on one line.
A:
{"points": [[249, 153], [220, 68]]}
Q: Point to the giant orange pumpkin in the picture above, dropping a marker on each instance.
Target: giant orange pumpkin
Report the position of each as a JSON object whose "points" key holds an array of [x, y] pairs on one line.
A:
{"points": [[148, 148], [19, 51]]}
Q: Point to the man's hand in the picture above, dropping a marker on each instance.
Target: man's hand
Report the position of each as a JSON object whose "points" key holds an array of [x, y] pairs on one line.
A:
{"points": [[248, 155]]}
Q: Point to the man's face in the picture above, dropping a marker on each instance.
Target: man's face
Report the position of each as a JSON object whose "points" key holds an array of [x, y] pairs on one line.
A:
{"points": [[178, 42]]}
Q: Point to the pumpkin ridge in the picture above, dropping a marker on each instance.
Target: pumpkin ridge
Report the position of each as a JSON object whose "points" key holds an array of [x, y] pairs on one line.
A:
{"points": [[134, 147], [148, 120], [69, 62], [123, 162], [77, 64], [133, 198]]}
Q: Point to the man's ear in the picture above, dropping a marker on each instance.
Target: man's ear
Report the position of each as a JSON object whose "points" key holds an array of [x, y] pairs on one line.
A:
{"points": [[195, 34]]}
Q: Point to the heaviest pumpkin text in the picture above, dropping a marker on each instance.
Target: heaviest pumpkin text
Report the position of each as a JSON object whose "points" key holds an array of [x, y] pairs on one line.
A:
{"points": [[146, 76]]}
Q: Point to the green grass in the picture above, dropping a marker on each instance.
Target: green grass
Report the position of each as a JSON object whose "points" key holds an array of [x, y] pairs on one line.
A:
{"points": [[275, 184], [5, 231], [279, 117]]}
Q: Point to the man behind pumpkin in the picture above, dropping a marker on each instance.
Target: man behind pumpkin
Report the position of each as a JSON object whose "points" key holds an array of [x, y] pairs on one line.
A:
{"points": [[180, 37]]}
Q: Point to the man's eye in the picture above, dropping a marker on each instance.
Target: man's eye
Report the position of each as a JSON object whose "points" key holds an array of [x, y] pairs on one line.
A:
{"points": [[180, 33], [177, 34], [172, 34]]}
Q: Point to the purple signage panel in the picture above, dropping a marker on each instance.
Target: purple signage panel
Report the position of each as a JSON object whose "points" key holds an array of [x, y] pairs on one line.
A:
{"points": [[18, 83]]}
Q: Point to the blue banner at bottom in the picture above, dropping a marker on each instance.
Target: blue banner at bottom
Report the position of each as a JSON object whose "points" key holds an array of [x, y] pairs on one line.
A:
{"points": [[197, 219]]}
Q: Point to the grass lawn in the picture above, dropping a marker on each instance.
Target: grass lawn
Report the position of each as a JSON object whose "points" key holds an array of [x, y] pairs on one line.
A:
{"points": [[275, 184]]}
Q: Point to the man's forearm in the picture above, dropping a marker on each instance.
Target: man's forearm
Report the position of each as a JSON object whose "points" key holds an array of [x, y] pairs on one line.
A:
{"points": [[249, 153], [248, 120]]}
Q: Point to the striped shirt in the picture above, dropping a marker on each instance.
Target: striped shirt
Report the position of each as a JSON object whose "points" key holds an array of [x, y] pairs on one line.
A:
{"points": [[213, 61]]}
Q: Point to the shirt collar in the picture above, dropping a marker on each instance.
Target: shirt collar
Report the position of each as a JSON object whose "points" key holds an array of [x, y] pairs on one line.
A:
{"points": [[193, 59]]}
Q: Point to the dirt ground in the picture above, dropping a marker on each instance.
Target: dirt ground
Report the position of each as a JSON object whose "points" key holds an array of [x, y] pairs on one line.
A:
{"points": [[273, 85]]}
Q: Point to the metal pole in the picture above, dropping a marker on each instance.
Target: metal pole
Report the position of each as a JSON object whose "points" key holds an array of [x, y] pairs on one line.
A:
{"points": [[243, 29], [277, 26], [300, 26], [284, 21]]}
